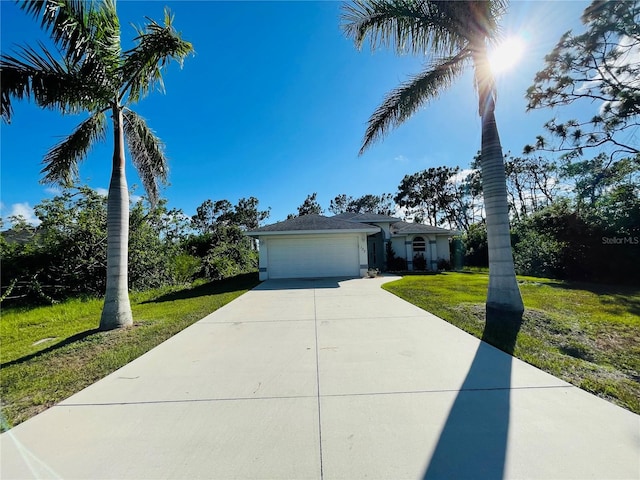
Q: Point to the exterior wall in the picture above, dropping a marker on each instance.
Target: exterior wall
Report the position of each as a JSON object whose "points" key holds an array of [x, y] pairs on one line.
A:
{"points": [[263, 259], [408, 252], [397, 243], [443, 248], [437, 247], [385, 228], [432, 262], [362, 249]]}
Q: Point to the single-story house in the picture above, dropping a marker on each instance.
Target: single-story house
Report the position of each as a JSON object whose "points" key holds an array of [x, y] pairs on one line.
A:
{"points": [[346, 245]]}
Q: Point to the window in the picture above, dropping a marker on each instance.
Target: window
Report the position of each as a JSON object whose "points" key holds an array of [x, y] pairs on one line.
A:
{"points": [[419, 245]]}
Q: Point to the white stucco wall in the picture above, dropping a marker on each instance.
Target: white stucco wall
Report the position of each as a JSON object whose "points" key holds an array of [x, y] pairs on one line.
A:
{"points": [[443, 248], [362, 249], [397, 243], [437, 247], [263, 259]]}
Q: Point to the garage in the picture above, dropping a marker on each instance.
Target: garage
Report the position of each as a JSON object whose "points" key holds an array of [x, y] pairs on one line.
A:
{"points": [[312, 246], [313, 256]]}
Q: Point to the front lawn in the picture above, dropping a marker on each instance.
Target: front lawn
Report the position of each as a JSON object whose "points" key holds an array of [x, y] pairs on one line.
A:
{"points": [[49, 353], [586, 334]]}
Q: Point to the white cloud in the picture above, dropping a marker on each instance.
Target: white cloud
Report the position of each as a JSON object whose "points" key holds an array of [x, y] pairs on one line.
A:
{"points": [[23, 210], [53, 190], [461, 175], [104, 192], [401, 159], [400, 212]]}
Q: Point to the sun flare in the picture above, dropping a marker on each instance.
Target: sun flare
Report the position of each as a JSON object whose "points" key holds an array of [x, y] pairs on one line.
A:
{"points": [[506, 55]]}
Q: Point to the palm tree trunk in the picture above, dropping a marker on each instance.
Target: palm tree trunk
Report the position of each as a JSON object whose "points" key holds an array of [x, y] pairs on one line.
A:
{"points": [[504, 294], [117, 309]]}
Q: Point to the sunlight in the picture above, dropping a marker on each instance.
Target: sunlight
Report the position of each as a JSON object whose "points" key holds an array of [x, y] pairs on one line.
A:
{"points": [[506, 55]]}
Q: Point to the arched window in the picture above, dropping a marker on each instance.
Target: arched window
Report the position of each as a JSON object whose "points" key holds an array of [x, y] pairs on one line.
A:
{"points": [[419, 245]]}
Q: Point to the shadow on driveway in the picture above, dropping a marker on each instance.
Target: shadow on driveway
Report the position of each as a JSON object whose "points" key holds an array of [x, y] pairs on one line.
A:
{"points": [[473, 442], [302, 283]]}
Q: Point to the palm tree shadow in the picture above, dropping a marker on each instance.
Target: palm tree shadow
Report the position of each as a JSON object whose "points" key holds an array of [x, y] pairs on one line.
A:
{"points": [[473, 441], [227, 285], [67, 341]]}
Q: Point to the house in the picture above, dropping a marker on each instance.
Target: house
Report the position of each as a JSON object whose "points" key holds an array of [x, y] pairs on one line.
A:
{"points": [[346, 245]]}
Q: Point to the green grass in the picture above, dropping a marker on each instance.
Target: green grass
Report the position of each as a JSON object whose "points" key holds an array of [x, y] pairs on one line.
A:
{"points": [[586, 334], [49, 353]]}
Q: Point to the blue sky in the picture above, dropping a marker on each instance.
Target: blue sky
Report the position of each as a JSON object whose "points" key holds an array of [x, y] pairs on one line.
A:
{"points": [[274, 105]]}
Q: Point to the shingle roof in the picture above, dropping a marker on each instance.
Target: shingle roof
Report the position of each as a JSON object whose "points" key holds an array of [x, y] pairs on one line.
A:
{"points": [[365, 217], [313, 223], [405, 228]]}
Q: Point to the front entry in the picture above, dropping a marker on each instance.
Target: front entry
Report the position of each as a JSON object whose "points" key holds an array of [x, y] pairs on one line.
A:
{"points": [[375, 249]]}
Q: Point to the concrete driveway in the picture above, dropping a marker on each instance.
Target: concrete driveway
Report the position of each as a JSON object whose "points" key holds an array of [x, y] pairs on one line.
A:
{"points": [[325, 379]]}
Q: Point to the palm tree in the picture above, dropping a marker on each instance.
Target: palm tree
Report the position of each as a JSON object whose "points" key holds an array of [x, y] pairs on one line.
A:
{"points": [[456, 34], [93, 74]]}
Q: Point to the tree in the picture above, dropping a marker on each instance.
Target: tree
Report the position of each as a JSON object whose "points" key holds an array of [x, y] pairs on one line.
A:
{"points": [[432, 194], [66, 254], [155, 245], [310, 206], [456, 34], [594, 178], [96, 76], [602, 67], [221, 243], [379, 204], [247, 215], [531, 183]]}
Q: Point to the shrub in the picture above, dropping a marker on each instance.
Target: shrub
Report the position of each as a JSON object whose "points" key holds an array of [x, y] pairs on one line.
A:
{"points": [[444, 264], [394, 263], [475, 246], [419, 262]]}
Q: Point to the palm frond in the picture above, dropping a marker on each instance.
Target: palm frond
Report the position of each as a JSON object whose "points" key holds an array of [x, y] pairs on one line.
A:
{"points": [[105, 38], [405, 100], [50, 82], [147, 153], [143, 64], [85, 31], [66, 21], [61, 162], [38, 76], [417, 27]]}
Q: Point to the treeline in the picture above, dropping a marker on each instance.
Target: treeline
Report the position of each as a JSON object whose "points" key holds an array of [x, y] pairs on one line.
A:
{"points": [[65, 255], [570, 219]]}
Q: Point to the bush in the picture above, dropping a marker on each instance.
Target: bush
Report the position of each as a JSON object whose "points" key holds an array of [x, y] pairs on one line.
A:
{"points": [[185, 268], [476, 246], [444, 264], [394, 263], [419, 262], [538, 255]]}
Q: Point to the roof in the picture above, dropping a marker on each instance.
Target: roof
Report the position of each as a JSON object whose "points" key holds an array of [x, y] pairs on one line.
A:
{"points": [[365, 217], [406, 228], [313, 224]]}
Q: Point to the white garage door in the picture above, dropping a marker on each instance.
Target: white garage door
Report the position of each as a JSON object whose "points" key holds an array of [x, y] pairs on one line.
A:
{"points": [[314, 256]]}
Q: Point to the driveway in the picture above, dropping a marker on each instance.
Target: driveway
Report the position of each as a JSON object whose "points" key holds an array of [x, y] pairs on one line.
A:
{"points": [[325, 379]]}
